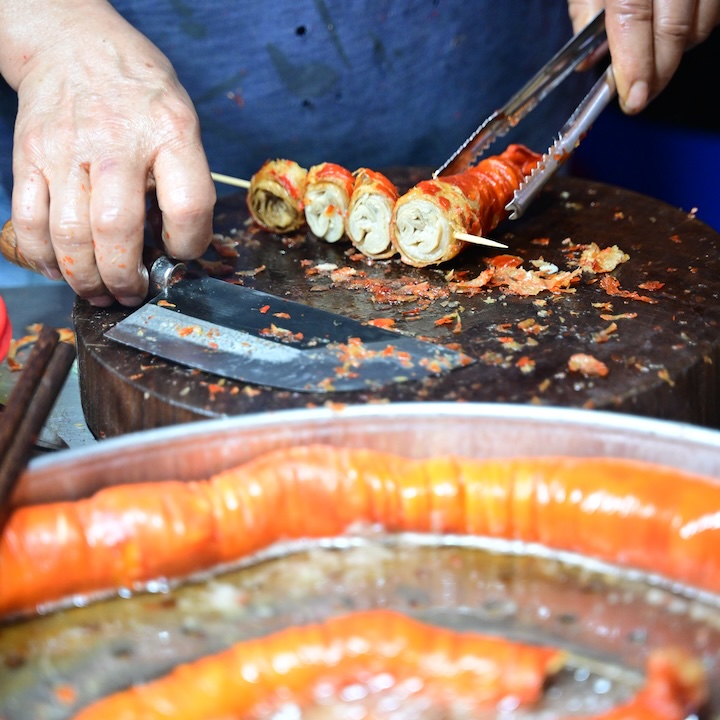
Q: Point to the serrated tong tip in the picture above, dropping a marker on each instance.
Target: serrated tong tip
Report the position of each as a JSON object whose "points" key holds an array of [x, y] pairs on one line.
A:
{"points": [[567, 141], [582, 46]]}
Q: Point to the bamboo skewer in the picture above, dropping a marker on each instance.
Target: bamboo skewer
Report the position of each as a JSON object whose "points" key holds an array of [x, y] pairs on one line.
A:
{"points": [[229, 180], [477, 240]]}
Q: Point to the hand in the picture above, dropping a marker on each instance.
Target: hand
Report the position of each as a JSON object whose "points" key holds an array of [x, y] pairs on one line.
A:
{"points": [[102, 119], [647, 39]]}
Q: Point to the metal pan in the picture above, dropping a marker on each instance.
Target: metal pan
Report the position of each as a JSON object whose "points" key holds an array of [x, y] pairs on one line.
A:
{"points": [[607, 618], [195, 450]]}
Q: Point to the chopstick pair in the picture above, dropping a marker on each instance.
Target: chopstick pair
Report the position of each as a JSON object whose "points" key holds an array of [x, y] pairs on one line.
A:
{"points": [[28, 407]]}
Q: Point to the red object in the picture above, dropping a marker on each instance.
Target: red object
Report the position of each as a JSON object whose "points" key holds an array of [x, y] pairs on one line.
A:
{"points": [[5, 330]]}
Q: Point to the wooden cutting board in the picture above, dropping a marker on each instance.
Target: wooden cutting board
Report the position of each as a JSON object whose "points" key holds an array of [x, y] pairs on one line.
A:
{"points": [[660, 344]]}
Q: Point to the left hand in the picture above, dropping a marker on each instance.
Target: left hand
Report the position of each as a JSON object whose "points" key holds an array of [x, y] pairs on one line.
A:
{"points": [[647, 39], [102, 119]]}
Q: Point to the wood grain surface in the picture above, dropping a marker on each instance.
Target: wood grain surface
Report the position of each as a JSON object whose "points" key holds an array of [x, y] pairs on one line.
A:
{"points": [[662, 354]]}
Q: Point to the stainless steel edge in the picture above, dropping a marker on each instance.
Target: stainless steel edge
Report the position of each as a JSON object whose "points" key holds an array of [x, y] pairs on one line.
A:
{"points": [[198, 449]]}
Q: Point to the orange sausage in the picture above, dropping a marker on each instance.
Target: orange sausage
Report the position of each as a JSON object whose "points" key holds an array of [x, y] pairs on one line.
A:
{"points": [[454, 667], [621, 511], [289, 665]]}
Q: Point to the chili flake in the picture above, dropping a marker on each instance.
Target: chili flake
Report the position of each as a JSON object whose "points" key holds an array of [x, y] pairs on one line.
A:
{"points": [[611, 285], [282, 334], [382, 322], [525, 364], [588, 365]]}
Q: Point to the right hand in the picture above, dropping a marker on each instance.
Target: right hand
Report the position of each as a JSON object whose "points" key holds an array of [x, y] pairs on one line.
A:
{"points": [[102, 119], [646, 40]]}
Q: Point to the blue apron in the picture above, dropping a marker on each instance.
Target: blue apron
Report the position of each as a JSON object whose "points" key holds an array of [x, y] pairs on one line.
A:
{"points": [[358, 82]]}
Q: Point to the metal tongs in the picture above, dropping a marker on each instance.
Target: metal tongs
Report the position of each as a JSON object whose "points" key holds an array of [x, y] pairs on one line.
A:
{"points": [[587, 42]]}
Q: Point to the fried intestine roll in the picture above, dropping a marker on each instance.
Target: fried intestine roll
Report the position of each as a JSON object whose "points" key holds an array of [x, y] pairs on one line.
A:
{"points": [[370, 212], [327, 197], [427, 219], [275, 196]]}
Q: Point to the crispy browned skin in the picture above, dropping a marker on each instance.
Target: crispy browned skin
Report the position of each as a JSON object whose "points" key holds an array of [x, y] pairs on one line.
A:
{"points": [[428, 217], [275, 196]]}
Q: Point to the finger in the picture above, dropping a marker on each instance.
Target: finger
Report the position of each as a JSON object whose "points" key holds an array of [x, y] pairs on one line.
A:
{"points": [[707, 17], [630, 31], [30, 213], [186, 198], [673, 24], [581, 12], [117, 219], [72, 236]]}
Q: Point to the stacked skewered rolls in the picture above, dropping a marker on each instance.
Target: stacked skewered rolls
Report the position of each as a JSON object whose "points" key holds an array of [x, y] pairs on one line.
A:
{"points": [[424, 226]]}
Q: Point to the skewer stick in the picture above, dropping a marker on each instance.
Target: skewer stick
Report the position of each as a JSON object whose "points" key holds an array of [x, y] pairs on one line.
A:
{"points": [[228, 180], [477, 240]]}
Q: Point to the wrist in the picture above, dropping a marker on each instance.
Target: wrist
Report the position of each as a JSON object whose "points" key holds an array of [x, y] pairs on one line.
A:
{"points": [[30, 28]]}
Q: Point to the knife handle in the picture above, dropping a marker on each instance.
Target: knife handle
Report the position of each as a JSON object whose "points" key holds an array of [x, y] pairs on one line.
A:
{"points": [[9, 249], [162, 270]]}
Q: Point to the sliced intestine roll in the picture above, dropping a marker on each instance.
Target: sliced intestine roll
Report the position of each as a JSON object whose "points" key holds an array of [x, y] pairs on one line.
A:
{"points": [[327, 197], [370, 213], [427, 219], [276, 194]]}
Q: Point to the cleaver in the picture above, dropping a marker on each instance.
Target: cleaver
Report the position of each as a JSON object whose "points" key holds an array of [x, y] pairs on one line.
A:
{"points": [[244, 334], [255, 337]]}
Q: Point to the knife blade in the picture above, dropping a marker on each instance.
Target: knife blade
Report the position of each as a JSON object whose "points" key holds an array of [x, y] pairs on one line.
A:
{"points": [[256, 337], [241, 333]]}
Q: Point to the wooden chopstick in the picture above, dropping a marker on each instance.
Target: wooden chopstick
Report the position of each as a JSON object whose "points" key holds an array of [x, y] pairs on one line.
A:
{"points": [[25, 387], [28, 407]]}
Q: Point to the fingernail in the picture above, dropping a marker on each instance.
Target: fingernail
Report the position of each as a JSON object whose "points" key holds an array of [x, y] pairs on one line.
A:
{"points": [[131, 300], [51, 273], [101, 301], [637, 97]]}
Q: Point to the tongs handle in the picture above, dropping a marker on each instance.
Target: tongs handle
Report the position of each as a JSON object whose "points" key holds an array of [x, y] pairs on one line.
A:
{"points": [[574, 52]]}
